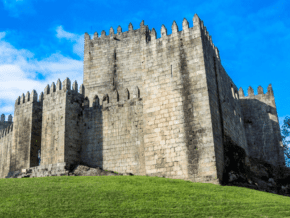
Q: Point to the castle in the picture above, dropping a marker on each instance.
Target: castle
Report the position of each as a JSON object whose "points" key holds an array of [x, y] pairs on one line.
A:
{"points": [[147, 106]]}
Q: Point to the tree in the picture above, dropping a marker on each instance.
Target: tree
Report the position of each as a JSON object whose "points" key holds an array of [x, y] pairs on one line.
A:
{"points": [[285, 133]]}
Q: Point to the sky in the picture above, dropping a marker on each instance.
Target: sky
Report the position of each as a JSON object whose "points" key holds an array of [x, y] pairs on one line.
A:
{"points": [[43, 41]]}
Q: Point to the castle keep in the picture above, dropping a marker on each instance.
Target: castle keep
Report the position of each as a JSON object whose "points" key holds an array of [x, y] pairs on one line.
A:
{"points": [[147, 106]]}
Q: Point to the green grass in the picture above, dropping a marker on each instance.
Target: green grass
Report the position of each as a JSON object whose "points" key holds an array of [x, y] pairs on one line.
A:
{"points": [[133, 196]]}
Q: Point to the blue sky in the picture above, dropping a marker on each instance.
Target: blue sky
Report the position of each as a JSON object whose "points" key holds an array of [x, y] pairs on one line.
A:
{"points": [[42, 41]]}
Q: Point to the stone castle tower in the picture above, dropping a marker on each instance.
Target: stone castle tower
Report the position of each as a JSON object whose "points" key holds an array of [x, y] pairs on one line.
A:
{"points": [[147, 106]]}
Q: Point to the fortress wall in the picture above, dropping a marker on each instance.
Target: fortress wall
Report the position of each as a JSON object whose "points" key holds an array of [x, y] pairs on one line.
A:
{"points": [[36, 133], [5, 150], [179, 134], [164, 118], [53, 125], [73, 122], [113, 64], [113, 134], [23, 148], [262, 126], [170, 74], [226, 112], [4, 124], [60, 134]]}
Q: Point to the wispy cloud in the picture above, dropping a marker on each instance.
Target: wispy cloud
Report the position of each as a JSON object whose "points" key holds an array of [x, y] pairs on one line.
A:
{"points": [[21, 72], [77, 40]]}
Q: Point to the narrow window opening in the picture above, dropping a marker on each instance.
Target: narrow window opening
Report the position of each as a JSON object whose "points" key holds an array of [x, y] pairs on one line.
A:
{"points": [[90, 56], [171, 70], [38, 157]]}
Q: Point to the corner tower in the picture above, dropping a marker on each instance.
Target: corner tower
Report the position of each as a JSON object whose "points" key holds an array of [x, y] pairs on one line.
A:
{"points": [[262, 126], [171, 74], [26, 131]]}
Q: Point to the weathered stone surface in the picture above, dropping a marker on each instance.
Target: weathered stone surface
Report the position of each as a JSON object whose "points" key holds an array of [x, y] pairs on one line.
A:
{"points": [[160, 107], [63, 170]]}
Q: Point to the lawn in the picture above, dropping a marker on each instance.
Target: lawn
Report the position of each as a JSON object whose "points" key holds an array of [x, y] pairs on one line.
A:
{"points": [[133, 196]]}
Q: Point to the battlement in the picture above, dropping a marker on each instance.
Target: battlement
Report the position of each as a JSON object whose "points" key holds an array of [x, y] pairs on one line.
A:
{"points": [[115, 97], [183, 125], [59, 87], [3, 118], [7, 130], [150, 35], [260, 90]]}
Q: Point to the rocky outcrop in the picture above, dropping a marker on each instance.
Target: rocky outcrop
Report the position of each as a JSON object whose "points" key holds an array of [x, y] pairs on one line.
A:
{"points": [[243, 171], [62, 169]]}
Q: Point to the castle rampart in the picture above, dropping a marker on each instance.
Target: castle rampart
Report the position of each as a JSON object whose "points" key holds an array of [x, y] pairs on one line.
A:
{"points": [[26, 131], [261, 125], [6, 136], [61, 137], [4, 124], [161, 107], [113, 133]]}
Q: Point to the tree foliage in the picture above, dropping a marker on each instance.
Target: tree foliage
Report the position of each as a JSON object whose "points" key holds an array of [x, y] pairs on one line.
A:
{"points": [[285, 133]]}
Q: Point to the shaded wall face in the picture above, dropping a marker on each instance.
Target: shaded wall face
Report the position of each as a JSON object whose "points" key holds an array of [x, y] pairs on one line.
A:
{"points": [[262, 128], [113, 137], [4, 124], [36, 134], [170, 75], [73, 137], [226, 113]]}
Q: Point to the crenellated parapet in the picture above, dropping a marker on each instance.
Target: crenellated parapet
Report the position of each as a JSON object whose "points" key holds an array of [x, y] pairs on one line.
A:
{"points": [[260, 91], [6, 131], [48, 90], [261, 124], [121, 97], [5, 125], [208, 39], [115, 97], [3, 118], [24, 99], [147, 35]]}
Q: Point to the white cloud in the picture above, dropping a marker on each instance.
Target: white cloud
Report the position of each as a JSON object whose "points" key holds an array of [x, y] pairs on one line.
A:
{"points": [[60, 33], [19, 72], [77, 40]]}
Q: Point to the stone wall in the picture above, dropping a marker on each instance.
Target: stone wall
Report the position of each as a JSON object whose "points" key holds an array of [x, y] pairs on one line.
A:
{"points": [[24, 150], [226, 114], [262, 126], [161, 107], [6, 138], [61, 137], [113, 133], [170, 73], [4, 124]]}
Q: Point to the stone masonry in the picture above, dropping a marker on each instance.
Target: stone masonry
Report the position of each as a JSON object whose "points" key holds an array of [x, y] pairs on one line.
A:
{"points": [[147, 106]]}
